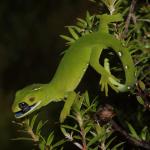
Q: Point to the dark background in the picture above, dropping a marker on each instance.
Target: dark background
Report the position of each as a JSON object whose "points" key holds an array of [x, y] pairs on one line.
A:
{"points": [[30, 49]]}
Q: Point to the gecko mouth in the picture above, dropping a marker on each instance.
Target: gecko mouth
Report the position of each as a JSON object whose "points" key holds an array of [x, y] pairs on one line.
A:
{"points": [[25, 109]]}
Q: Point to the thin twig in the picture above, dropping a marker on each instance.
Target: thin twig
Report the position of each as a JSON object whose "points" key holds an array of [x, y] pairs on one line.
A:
{"points": [[82, 132], [33, 136], [130, 15], [83, 139], [132, 140]]}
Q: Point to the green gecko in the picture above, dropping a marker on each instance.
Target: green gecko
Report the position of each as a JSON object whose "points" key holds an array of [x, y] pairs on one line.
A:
{"points": [[84, 52]]}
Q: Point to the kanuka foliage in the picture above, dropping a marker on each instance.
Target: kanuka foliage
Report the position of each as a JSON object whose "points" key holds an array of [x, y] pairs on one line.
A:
{"points": [[93, 128]]}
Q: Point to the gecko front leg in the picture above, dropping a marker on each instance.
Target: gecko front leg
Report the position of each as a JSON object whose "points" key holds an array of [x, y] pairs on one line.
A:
{"points": [[71, 96], [105, 75]]}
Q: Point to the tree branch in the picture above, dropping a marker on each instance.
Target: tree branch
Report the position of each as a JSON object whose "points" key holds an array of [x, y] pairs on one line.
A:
{"points": [[130, 15], [131, 139]]}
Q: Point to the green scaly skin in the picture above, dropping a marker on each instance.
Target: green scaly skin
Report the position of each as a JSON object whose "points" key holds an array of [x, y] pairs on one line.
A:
{"points": [[84, 52]]}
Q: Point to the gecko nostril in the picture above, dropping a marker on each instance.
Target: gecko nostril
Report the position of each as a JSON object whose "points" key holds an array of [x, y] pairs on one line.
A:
{"points": [[31, 99]]}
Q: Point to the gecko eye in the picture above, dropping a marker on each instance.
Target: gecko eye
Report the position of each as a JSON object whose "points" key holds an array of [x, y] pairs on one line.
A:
{"points": [[24, 107]]}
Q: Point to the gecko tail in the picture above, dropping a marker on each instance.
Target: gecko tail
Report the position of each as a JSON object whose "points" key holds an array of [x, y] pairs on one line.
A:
{"points": [[119, 86], [114, 81]]}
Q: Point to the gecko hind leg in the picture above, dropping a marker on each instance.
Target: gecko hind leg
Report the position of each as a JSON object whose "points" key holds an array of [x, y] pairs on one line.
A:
{"points": [[105, 81], [106, 76]]}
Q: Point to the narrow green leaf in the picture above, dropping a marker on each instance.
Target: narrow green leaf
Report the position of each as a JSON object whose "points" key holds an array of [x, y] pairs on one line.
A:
{"points": [[50, 138], [22, 138], [42, 145], [62, 148], [88, 109], [88, 19], [133, 132], [78, 103], [87, 129], [94, 140], [140, 100], [77, 137], [73, 117], [82, 23], [71, 128], [95, 148], [106, 3], [33, 121], [109, 142], [59, 143], [63, 130], [86, 95], [26, 122], [39, 126], [73, 33], [42, 138], [69, 43], [142, 85], [67, 38], [78, 29], [118, 2], [92, 1], [44, 123], [100, 130], [144, 132], [118, 145]]}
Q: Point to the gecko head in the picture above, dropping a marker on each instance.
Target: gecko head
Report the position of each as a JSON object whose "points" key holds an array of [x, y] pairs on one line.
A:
{"points": [[28, 100]]}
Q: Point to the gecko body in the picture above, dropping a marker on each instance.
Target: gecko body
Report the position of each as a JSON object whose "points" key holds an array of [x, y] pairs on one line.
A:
{"points": [[84, 52]]}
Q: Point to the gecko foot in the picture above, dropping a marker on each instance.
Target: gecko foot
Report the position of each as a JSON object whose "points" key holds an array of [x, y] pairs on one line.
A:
{"points": [[105, 81]]}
